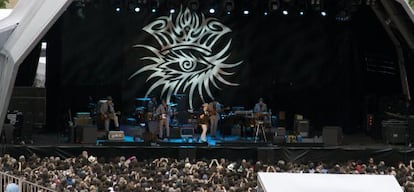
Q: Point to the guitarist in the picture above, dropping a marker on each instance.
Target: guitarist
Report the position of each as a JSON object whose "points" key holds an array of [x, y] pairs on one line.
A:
{"points": [[164, 112], [214, 107], [107, 111]]}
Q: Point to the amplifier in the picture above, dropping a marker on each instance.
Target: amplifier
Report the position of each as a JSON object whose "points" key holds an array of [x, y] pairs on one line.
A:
{"points": [[395, 131], [332, 135], [116, 135], [302, 127]]}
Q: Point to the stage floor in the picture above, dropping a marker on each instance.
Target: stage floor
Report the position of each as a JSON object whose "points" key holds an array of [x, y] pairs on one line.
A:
{"points": [[353, 147]]}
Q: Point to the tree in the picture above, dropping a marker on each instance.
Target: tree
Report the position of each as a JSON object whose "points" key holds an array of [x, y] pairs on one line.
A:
{"points": [[3, 3], [411, 3]]}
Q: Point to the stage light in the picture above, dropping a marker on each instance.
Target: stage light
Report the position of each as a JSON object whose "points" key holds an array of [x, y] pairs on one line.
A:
{"points": [[229, 5], [228, 13], [212, 11], [193, 5], [137, 9], [172, 11], [246, 12], [118, 9], [274, 5], [323, 13], [301, 13], [265, 13], [154, 5], [285, 12]]}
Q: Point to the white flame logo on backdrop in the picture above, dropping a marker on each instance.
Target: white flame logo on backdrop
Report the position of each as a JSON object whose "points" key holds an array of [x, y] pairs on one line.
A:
{"points": [[185, 60]]}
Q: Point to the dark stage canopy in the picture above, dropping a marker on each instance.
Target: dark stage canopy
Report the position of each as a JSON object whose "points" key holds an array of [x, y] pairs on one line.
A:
{"points": [[332, 62]]}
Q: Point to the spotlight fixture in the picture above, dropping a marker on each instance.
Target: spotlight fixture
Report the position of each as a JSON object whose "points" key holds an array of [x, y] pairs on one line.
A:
{"points": [[212, 11], [229, 5], [172, 11], [134, 6], [301, 13], [194, 5], [274, 5], [265, 13], [285, 12], [323, 13], [246, 12], [154, 4], [118, 5]]}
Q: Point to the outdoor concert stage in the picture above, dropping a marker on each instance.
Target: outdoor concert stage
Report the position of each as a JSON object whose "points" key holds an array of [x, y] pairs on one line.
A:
{"points": [[353, 147]]}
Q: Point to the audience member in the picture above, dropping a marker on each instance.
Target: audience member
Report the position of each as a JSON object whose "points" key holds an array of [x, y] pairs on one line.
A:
{"points": [[90, 173]]}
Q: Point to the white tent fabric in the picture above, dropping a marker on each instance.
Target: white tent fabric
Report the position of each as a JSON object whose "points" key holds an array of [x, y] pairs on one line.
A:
{"points": [[19, 33], [5, 13], [298, 182]]}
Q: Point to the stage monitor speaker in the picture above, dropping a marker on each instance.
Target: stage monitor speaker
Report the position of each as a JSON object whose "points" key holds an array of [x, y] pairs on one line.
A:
{"points": [[278, 140], [332, 135], [86, 134], [187, 130], [116, 135]]}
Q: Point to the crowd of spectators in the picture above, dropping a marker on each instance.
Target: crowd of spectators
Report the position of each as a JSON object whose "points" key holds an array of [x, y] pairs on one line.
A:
{"points": [[89, 173]]}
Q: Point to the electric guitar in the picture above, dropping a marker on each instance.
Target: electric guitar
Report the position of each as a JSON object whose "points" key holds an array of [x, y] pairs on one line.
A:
{"points": [[105, 116]]}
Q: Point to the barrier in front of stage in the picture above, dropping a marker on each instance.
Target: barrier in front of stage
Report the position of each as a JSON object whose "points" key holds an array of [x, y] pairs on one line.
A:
{"points": [[299, 182]]}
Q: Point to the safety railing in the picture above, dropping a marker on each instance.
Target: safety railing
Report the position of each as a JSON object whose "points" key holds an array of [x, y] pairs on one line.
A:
{"points": [[23, 185]]}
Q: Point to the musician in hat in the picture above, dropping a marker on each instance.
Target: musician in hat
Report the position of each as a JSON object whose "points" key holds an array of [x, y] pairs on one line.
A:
{"points": [[108, 113]]}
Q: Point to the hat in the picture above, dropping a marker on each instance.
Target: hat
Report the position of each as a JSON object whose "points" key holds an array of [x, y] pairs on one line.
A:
{"points": [[12, 187], [109, 98]]}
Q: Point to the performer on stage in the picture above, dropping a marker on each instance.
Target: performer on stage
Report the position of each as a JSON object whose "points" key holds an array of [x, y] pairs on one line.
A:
{"points": [[107, 111], [164, 112], [214, 107], [260, 107], [152, 105], [204, 119]]}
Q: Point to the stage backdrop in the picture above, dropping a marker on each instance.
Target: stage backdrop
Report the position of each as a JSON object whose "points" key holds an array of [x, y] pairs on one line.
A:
{"points": [[310, 65]]}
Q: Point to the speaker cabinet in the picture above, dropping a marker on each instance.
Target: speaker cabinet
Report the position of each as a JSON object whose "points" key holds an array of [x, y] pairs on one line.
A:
{"points": [[86, 134], [302, 127], [395, 132], [332, 135]]}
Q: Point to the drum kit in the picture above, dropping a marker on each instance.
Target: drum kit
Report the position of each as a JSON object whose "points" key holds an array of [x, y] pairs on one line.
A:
{"points": [[145, 109]]}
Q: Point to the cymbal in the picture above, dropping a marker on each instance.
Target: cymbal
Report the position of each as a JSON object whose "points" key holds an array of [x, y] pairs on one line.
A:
{"points": [[140, 108], [172, 104], [143, 99]]}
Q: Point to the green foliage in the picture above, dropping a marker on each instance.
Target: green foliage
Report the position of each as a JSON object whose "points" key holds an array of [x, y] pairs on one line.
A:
{"points": [[3, 3], [411, 2]]}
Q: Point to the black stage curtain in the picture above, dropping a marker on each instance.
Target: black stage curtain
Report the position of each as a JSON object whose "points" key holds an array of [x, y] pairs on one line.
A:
{"points": [[309, 65]]}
